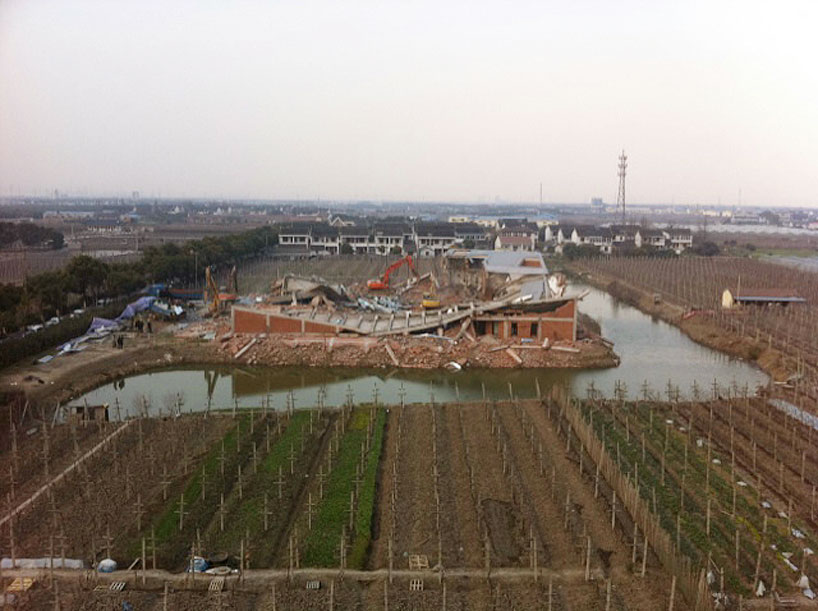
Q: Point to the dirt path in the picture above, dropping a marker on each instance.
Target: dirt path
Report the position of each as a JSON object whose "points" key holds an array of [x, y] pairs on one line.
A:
{"points": [[378, 557], [458, 506], [499, 512], [557, 550], [416, 531]]}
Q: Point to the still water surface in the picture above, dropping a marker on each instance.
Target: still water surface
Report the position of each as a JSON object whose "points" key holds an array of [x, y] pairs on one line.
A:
{"points": [[650, 350]]}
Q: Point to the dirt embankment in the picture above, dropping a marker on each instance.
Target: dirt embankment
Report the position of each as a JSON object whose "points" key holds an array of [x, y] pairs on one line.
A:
{"points": [[701, 327], [412, 352]]}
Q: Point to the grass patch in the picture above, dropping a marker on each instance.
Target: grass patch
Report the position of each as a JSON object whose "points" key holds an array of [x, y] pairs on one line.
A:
{"points": [[321, 546]]}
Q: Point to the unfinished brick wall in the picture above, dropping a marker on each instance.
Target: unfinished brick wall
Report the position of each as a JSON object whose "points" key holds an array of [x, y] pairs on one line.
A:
{"points": [[249, 322], [558, 325], [261, 321]]}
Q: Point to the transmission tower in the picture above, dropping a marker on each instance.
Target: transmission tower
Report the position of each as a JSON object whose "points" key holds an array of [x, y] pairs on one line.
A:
{"points": [[620, 196]]}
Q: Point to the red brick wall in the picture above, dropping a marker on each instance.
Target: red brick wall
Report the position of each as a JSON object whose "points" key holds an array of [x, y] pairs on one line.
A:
{"points": [[554, 330], [256, 322], [279, 324], [564, 311], [249, 322], [317, 327]]}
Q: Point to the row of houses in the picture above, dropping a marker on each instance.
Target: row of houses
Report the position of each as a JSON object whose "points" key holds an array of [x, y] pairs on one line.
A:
{"points": [[422, 239], [608, 239]]}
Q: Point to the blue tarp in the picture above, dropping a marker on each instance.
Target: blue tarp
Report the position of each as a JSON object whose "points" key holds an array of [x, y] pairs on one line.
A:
{"points": [[154, 290], [132, 309], [101, 323]]}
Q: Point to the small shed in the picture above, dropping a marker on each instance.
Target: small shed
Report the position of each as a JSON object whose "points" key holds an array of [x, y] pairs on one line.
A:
{"points": [[731, 298], [80, 413]]}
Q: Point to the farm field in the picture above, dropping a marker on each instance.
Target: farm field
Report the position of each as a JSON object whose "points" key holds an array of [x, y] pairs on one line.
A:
{"points": [[542, 503], [696, 284]]}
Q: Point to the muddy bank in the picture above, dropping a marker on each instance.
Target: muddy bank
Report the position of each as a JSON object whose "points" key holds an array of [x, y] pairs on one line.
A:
{"points": [[700, 327], [68, 376]]}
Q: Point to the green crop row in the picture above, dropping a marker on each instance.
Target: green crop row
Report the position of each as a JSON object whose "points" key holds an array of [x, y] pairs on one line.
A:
{"points": [[248, 514], [169, 539], [366, 500], [322, 543]]}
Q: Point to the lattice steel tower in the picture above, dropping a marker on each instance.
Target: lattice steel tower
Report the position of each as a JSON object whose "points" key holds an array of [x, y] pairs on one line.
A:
{"points": [[620, 196]]}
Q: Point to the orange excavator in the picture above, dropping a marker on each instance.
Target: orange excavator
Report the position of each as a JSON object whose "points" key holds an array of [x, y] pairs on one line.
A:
{"points": [[383, 283]]}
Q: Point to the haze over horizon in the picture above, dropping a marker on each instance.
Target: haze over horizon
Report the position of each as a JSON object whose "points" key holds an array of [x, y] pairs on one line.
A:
{"points": [[425, 101]]}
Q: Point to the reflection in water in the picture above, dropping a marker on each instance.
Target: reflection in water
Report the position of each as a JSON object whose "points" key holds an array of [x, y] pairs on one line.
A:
{"points": [[650, 350]]}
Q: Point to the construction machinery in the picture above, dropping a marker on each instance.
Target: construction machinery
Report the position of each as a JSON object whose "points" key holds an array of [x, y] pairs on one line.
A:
{"points": [[215, 300], [430, 301], [211, 292], [383, 283]]}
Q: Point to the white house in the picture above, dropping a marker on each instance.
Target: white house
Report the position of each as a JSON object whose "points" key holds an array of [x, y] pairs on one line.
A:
{"points": [[595, 236], [651, 237], [514, 242], [679, 238], [434, 239]]}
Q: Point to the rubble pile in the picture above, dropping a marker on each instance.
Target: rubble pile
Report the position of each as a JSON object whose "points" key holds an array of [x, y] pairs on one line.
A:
{"points": [[414, 352]]}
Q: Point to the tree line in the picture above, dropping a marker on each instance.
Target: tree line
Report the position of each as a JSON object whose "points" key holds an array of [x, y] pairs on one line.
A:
{"points": [[30, 235], [86, 279]]}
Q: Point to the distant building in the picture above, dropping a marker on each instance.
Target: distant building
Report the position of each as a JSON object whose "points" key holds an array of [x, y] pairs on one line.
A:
{"points": [[434, 239], [596, 236], [514, 242], [747, 218], [650, 237], [760, 297]]}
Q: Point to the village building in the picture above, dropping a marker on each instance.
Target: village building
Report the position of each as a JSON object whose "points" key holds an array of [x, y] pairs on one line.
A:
{"points": [[389, 238], [356, 238], [655, 238], [596, 236], [623, 233], [324, 239], [679, 238], [514, 242], [759, 297], [433, 239]]}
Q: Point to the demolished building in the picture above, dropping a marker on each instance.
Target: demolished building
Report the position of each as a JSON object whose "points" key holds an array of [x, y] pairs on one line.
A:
{"points": [[515, 299]]}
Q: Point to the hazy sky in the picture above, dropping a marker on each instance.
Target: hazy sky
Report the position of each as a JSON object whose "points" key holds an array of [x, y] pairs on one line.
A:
{"points": [[440, 100]]}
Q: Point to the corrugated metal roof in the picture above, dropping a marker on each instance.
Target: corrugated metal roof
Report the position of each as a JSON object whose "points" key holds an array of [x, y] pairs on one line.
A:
{"points": [[767, 293]]}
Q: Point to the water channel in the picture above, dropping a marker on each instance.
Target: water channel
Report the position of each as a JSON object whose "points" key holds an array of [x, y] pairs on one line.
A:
{"points": [[650, 350]]}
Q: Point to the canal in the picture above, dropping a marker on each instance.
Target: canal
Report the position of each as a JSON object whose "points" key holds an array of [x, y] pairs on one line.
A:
{"points": [[652, 352]]}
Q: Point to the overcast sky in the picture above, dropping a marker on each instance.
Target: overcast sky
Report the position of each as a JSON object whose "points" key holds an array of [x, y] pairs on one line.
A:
{"points": [[439, 100]]}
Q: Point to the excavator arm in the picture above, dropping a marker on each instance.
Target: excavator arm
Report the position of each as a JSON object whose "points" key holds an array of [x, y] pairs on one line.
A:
{"points": [[383, 283], [213, 290]]}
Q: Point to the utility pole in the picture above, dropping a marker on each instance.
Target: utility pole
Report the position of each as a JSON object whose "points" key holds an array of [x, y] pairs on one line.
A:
{"points": [[620, 196]]}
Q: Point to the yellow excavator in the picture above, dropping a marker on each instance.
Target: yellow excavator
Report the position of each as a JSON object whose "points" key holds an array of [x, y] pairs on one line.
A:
{"points": [[430, 299], [215, 300], [211, 293]]}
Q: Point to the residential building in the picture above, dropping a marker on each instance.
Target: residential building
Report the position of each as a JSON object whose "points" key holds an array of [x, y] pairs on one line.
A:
{"points": [[434, 239], [389, 237], [680, 238], [600, 237], [655, 238], [514, 242], [357, 238]]}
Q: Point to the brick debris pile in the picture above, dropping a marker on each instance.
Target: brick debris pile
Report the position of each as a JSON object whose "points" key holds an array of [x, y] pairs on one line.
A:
{"points": [[431, 352]]}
